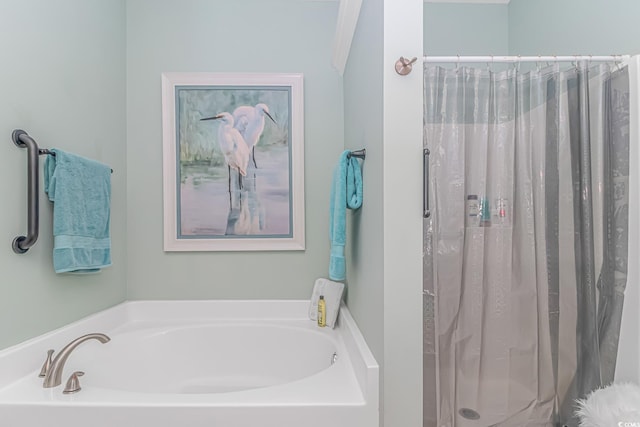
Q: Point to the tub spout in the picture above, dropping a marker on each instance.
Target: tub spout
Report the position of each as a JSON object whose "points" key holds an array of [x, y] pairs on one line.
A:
{"points": [[53, 376]]}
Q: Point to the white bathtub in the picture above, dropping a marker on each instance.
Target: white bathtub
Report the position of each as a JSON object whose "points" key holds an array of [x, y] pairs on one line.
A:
{"points": [[198, 363]]}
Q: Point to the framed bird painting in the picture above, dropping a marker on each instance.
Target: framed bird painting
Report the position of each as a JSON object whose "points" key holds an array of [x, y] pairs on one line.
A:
{"points": [[233, 162]]}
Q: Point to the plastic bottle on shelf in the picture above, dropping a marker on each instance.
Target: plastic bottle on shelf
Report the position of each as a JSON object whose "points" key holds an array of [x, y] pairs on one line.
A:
{"points": [[322, 312], [485, 213], [501, 212], [473, 210]]}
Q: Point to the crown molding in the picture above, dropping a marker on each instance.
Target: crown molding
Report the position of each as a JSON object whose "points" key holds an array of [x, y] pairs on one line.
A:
{"points": [[348, 12]]}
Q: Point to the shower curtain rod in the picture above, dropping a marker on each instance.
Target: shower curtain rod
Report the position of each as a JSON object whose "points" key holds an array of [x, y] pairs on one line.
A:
{"points": [[515, 59], [404, 65]]}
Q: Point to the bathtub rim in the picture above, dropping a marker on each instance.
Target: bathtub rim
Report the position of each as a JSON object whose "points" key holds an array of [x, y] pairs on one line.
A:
{"points": [[20, 360]]}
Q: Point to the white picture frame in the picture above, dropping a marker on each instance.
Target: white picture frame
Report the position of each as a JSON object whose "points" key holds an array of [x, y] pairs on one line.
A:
{"points": [[215, 199]]}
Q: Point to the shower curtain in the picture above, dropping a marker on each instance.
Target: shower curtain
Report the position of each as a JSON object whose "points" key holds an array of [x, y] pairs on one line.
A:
{"points": [[526, 251]]}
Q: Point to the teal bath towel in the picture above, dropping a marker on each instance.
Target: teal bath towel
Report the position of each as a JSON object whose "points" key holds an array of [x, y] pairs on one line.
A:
{"points": [[80, 190], [346, 192]]}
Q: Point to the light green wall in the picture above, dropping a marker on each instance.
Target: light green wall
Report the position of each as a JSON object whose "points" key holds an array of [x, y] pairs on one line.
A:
{"points": [[281, 36], [466, 29], [63, 81], [569, 27], [524, 27], [363, 129]]}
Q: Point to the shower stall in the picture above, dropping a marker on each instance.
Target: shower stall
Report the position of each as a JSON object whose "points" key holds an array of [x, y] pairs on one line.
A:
{"points": [[525, 239]]}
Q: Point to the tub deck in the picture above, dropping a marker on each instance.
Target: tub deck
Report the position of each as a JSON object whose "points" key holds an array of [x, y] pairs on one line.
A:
{"points": [[341, 394]]}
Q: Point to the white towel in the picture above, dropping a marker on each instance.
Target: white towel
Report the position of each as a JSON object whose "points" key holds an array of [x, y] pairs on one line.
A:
{"points": [[615, 405], [332, 292]]}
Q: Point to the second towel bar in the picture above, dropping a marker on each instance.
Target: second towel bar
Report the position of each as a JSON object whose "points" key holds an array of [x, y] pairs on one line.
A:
{"points": [[51, 153], [361, 154]]}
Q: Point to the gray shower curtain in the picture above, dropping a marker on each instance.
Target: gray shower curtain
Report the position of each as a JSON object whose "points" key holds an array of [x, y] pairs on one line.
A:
{"points": [[526, 252]]}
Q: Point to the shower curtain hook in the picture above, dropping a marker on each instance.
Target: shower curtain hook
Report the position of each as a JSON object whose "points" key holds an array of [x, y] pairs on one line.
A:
{"points": [[458, 63], [617, 59]]}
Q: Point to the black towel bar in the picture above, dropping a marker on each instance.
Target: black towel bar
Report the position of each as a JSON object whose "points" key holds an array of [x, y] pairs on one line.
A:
{"points": [[358, 153], [51, 153]]}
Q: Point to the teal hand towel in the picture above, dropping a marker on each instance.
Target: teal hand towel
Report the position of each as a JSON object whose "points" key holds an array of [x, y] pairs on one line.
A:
{"points": [[346, 192], [80, 190]]}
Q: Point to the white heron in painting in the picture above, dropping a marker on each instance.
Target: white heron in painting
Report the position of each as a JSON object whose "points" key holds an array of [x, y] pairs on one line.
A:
{"points": [[249, 121], [233, 146]]}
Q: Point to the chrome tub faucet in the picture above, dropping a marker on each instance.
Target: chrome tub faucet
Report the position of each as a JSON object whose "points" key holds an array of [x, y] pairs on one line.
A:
{"points": [[53, 374]]}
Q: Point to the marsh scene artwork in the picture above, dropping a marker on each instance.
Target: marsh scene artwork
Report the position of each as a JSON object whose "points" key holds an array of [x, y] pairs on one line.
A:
{"points": [[233, 162]]}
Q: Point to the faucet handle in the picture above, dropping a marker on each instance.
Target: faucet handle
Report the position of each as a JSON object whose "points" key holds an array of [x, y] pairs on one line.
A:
{"points": [[46, 365], [73, 383]]}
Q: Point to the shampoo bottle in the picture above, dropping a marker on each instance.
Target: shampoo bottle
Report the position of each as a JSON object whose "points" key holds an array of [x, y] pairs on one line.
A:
{"points": [[485, 213], [322, 312]]}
